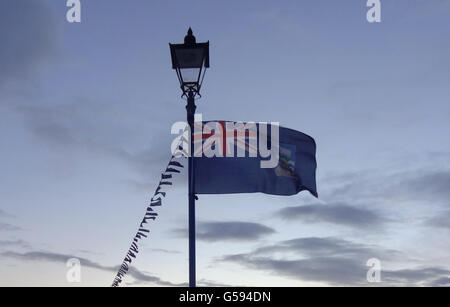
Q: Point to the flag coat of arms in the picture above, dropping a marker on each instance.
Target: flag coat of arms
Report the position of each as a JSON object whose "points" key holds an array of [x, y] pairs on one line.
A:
{"points": [[228, 174]]}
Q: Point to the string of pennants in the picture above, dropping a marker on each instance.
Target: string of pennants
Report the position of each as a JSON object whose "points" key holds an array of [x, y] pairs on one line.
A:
{"points": [[173, 167]]}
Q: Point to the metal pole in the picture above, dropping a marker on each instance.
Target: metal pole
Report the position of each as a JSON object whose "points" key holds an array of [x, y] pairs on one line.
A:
{"points": [[190, 108]]}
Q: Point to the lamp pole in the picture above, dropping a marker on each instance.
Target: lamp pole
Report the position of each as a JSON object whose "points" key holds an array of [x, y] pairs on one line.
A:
{"points": [[190, 60], [190, 108]]}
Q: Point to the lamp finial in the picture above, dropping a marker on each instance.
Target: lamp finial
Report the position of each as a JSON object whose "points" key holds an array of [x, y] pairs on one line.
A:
{"points": [[189, 39]]}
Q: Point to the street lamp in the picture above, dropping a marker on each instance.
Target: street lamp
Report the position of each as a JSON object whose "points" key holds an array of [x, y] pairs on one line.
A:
{"points": [[190, 61]]}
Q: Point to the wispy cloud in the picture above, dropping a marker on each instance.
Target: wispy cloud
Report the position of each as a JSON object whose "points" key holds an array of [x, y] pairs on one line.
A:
{"points": [[336, 213], [164, 251], [440, 220], [320, 246], [332, 261], [4, 226], [428, 185], [5, 214], [62, 258], [14, 243], [211, 283], [8, 227], [35, 25], [428, 276], [228, 231], [322, 269], [441, 282], [73, 127]]}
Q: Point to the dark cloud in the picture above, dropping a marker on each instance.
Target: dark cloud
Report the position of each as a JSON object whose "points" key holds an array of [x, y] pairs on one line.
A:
{"points": [[211, 283], [331, 270], [340, 271], [75, 127], [146, 277], [418, 277], [228, 231], [14, 243], [441, 220], [434, 185], [428, 186], [441, 282], [138, 276], [200, 283], [89, 252], [164, 251], [332, 261], [318, 247], [338, 213], [8, 227], [28, 36], [61, 258], [5, 214]]}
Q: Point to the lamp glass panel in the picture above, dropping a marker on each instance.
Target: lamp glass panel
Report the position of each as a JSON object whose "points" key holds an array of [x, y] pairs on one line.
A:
{"points": [[190, 74], [190, 57]]}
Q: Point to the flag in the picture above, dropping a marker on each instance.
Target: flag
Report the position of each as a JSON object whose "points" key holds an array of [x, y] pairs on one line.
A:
{"points": [[294, 171]]}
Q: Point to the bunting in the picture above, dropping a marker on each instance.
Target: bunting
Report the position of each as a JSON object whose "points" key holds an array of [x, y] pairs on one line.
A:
{"points": [[150, 215]]}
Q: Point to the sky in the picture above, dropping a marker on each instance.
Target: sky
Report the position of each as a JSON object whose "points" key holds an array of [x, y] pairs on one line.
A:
{"points": [[85, 116]]}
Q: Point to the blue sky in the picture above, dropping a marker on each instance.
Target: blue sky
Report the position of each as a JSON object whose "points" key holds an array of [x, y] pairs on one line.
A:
{"points": [[85, 117]]}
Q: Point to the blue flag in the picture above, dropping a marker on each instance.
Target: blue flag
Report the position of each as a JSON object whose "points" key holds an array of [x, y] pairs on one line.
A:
{"points": [[220, 166]]}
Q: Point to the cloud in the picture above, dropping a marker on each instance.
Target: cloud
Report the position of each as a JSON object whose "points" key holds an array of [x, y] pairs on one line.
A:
{"points": [[165, 251], [228, 231], [421, 185], [8, 227], [211, 283], [441, 282], [337, 213], [429, 276], [14, 243], [322, 269], [61, 258], [5, 214], [332, 261], [89, 252], [441, 220], [318, 247], [28, 36], [76, 127], [340, 271], [200, 283], [429, 185]]}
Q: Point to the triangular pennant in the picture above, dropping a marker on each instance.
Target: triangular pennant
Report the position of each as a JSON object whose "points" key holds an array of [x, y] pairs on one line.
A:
{"points": [[130, 253], [156, 202], [150, 214], [172, 170], [175, 163], [162, 193], [163, 176]]}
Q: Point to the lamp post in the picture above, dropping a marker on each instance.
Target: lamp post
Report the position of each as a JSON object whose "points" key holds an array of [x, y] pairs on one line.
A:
{"points": [[190, 61]]}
